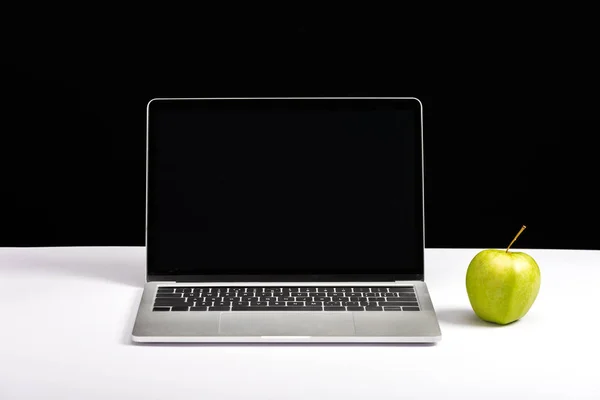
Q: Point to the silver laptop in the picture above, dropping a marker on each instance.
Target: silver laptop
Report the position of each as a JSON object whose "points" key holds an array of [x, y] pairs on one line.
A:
{"points": [[285, 220]]}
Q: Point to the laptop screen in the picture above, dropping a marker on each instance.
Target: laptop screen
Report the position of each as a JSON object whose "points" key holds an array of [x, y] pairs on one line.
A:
{"points": [[285, 188]]}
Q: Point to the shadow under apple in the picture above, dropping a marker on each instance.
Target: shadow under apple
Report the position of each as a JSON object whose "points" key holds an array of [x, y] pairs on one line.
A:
{"points": [[463, 317]]}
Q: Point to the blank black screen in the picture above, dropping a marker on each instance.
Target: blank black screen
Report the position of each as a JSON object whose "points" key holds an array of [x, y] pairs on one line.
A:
{"points": [[284, 187]]}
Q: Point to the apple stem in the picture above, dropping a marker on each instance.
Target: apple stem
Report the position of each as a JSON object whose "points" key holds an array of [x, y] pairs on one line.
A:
{"points": [[518, 234]]}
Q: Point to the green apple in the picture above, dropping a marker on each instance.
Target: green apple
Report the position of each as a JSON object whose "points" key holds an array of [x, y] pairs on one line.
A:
{"points": [[502, 285]]}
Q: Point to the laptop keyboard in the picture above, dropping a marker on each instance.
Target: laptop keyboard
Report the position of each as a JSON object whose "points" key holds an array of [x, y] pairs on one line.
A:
{"points": [[194, 298]]}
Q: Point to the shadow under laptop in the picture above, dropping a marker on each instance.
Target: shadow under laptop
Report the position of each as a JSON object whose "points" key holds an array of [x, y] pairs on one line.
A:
{"points": [[315, 344]]}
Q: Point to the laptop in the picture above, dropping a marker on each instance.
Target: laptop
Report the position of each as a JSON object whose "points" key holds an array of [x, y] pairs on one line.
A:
{"points": [[285, 220]]}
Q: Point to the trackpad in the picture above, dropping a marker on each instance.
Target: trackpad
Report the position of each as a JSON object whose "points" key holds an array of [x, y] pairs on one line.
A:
{"points": [[275, 323]]}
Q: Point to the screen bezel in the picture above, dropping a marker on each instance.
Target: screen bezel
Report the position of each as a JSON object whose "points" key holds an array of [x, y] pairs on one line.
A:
{"points": [[403, 103]]}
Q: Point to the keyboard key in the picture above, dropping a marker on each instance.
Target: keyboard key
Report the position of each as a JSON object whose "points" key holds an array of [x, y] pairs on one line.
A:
{"points": [[278, 309], [402, 289], [325, 289], [295, 303], [314, 303], [222, 303], [405, 294], [373, 308], [168, 295], [362, 289], [241, 304], [354, 294], [291, 289], [334, 308], [169, 302], [179, 308], [286, 298], [410, 308], [392, 308], [344, 289], [212, 298], [232, 298], [307, 289], [355, 308], [277, 304], [204, 303], [333, 303], [372, 294], [198, 308], [296, 294], [356, 298], [350, 303], [399, 303], [252, 298], [219, 308], [271, 298], [258, 303], [161, 309], [390, 294], [322, 298], [337, 298], [273, 289], [413, 299], [303, 298]]}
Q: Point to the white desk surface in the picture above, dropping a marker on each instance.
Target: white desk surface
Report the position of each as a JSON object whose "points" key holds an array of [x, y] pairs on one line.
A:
{"points": [[67, 314]]}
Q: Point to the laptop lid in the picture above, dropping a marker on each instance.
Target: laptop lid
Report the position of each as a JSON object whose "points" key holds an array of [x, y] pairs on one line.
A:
{"points": [[285, 189]]}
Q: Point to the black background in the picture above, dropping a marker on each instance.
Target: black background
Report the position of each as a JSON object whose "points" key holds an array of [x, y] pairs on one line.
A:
{"points": [[510, 136]]}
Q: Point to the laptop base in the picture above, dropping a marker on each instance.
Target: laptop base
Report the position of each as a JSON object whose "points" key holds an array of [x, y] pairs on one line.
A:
{"points": [[287, 326]]}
